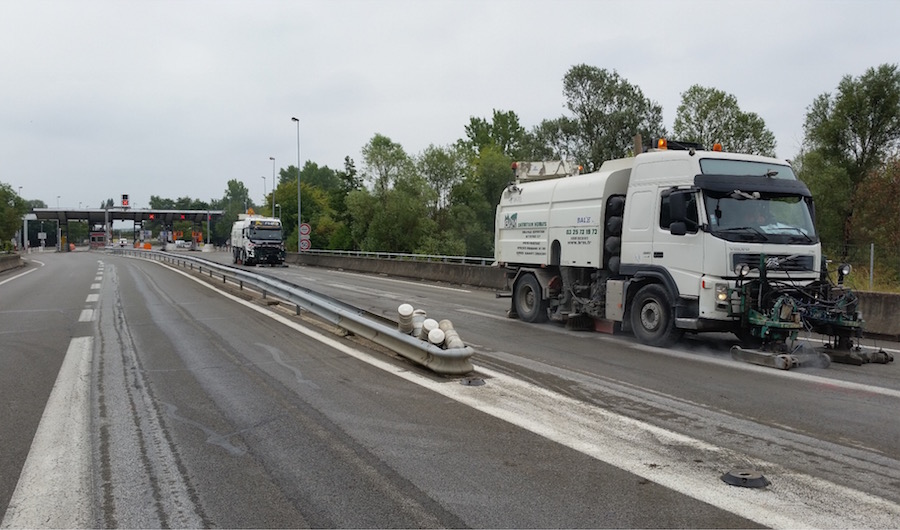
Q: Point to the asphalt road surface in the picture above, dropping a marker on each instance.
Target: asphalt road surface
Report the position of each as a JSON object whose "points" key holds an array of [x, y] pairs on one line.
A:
{"points": [[137, 395]]}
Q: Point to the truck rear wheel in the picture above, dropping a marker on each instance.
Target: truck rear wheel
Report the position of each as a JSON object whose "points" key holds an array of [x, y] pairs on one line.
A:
{"points": [[528, 299], [652, 317]]}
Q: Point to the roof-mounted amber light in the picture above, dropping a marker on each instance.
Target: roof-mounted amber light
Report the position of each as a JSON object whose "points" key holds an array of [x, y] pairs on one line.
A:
{"points": [[661, 144], [717, 147]]}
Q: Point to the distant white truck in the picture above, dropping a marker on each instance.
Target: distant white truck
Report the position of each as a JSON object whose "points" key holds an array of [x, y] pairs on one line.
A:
{"points": [[256, 239]]}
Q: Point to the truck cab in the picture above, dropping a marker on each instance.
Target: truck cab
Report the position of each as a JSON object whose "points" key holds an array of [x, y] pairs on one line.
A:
{"points": [[692, 217]]}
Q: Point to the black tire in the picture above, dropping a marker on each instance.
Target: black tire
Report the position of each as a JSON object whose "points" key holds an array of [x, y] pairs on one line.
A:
{"points": [[613, 245], [613, 264], [614, 226], [615, 205], [653, 317], [528, 299]]}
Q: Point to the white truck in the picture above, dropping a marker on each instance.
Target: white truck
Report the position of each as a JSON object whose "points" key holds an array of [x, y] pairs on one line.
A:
{"points": [[256, 239], [675, 239]]}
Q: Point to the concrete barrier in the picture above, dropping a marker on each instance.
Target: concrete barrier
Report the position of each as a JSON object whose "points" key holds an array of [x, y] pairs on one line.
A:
{"points": [[10, 261], [880, 310], [475, 275]]}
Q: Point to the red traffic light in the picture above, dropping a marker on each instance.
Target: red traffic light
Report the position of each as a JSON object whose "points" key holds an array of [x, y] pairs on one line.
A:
{"points": [[182, 217], [152, 216]]}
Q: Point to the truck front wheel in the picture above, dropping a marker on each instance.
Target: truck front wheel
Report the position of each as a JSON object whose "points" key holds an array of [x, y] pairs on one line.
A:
{"points": [[528, 299], [652, 317]]}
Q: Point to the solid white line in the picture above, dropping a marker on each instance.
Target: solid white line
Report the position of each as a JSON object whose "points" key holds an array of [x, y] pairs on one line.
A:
{"points": [[683, 464], [29, 271], [54, 488]]}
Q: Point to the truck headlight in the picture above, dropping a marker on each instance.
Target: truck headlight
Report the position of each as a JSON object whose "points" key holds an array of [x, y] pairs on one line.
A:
{"points": [[843, 271], [721, 292], [742, 269]]}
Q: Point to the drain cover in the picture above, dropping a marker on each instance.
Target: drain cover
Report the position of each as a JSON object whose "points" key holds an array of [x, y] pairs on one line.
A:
{"points": [[745, 478], [471, 381]]}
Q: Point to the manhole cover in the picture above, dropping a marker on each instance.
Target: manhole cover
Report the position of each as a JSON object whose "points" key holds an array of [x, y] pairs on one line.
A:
{"points": [[745, 478], [471, 381]]}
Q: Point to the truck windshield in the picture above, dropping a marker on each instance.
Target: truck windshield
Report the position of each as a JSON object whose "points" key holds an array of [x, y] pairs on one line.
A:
{"points": [[758, 217], [719, 166], [266, 234]]}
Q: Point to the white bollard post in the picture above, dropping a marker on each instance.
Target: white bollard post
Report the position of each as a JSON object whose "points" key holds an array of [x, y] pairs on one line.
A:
{"points": [[451, 337], [428, 325], [405, 323], [436, 337], [418, 318]]}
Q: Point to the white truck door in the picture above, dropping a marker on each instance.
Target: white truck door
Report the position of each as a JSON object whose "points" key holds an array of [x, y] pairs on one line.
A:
{"points": [[681, 255]]}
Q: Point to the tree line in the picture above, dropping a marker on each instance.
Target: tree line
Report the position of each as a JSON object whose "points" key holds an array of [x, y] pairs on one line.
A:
{"points": [[442, 200]]}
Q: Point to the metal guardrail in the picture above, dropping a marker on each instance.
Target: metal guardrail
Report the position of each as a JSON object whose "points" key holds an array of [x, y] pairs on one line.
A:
{"points": [[468, 260], [455, 361]]}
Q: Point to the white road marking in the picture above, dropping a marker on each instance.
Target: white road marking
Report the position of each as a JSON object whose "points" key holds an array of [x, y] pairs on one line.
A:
{"points": [[54, 488], [95, 286], [29, 271], [92, 298], [87, 315]]}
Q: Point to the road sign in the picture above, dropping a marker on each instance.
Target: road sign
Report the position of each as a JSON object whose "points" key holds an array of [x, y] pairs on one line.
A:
{"points": [[304, 244], [304, 229]]}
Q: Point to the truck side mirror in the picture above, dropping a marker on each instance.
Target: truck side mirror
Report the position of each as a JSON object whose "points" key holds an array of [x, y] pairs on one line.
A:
{"points": [[678, 206], [678, 228]]}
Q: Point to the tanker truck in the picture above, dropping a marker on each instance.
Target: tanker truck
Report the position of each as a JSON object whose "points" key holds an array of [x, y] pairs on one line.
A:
{"points": [[677, 239]]}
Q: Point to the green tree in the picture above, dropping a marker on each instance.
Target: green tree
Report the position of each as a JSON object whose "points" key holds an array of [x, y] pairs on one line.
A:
{"points": [[609, 111], [554, 139], [852, 132], [442, 168], [323, 177], [503, 131], [402, 221], [12, 209], [385, 162], [879, 221], [470, 216], [709, 116], [341, 237]]}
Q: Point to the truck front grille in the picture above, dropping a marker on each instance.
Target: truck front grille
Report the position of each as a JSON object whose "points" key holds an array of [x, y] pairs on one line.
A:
{"points": [[776, 262]]}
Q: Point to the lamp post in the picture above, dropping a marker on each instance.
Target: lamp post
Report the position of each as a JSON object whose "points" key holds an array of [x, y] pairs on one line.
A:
{"points": [[272, 158], [264, 188], [57, 202], [299, 222]]}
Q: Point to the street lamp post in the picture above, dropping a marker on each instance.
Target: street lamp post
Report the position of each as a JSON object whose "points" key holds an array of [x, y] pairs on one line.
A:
{"points": [[272, 158], [299, 222], [264, 188]]}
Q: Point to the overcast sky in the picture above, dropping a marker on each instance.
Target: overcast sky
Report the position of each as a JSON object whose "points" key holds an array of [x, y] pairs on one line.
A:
{"points": [[175, 98]]}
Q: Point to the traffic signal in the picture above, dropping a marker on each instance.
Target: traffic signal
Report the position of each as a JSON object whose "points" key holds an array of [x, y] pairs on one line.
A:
{"points": [[124, 200], [152, 216]]}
